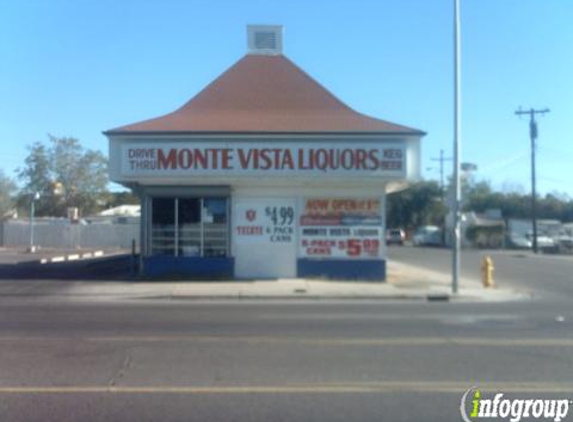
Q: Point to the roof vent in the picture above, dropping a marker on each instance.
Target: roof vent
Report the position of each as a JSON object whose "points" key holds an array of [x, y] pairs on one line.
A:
{"points": [[265, 39]]}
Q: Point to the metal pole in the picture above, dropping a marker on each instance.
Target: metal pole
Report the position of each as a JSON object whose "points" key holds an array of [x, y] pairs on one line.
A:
{"points": [[457, 190], [145, 231], [532, 131], [202, 204], [442, 171], [441, 159], [32, 211], [533, 136], [176, 225], [133, 257]]}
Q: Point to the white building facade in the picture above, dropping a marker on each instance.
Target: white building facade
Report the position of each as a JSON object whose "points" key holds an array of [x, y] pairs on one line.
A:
{"points": [[264, 174]]}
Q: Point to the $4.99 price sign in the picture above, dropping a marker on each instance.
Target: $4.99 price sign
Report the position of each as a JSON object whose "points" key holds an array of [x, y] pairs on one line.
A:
{"points": [[280, 216], [264, 221]]}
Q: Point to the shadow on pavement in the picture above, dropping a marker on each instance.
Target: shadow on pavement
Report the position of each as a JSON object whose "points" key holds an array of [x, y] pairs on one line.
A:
{"points": [[117, 267]]}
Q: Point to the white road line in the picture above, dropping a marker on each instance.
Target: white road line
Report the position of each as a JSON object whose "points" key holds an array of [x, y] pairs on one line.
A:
{"points": [[379, 342]]}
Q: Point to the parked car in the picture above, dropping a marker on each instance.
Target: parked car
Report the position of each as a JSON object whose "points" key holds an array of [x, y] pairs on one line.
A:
{"points": [[395, 236], [428, 236], [565, 243], [525, 241], [519, 242], [543, 241]]}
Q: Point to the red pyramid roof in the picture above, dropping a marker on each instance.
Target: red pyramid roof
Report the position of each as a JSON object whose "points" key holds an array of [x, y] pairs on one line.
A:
{"points": [[264, 94]]}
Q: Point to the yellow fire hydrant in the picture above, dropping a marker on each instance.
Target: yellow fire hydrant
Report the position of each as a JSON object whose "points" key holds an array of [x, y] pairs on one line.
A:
{"points": [[487, 272]]}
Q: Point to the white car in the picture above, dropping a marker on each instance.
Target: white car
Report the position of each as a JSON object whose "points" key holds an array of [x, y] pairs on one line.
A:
{"points": [[519, 242], [395, 236], [543, 242], [565, 243]]}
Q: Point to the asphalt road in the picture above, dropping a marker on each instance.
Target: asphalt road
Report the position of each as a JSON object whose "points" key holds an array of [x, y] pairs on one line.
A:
{"points": [[185, 360], [550, 277], [261, 361]]}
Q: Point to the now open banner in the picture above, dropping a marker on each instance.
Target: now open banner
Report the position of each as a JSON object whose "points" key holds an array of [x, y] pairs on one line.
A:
{"points": [[346, 228]]}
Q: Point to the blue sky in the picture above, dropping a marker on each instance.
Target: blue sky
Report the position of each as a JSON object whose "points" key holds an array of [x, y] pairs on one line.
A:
{"points": [[78, 67]]}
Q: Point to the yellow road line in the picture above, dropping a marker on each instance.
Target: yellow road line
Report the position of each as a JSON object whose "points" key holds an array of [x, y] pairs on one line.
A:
{"points": [[342, 388], [390, 341]]}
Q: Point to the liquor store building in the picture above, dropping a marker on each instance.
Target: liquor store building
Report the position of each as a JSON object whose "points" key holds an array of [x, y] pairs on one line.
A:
{"points": [[264, 174]]}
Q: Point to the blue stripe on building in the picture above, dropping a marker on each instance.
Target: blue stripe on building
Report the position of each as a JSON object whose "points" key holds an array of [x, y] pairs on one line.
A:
{"points": [[342, 269]]}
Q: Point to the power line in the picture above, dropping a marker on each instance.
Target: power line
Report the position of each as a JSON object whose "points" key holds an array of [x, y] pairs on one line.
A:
{"points": [[554, 154], [550, 179], [504, 163]]}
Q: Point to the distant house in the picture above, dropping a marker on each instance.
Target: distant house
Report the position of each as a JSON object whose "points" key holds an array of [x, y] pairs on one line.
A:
{"points": [[478, 230], [522, 227], [122, 210]]}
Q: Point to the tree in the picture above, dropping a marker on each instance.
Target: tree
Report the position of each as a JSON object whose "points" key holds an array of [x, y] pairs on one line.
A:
{"points": [[7, 190], [37, 178], [418, 205], [480, 197], [66, 155], [65, 175]]}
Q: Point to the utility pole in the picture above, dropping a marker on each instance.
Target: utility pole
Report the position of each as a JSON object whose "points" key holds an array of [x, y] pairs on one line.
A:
{"points": [[441, 160], [533, 135], [442, 191], [457, 142]]}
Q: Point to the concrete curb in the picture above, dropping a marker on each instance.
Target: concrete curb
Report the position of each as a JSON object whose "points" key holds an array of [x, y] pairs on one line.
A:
{"points": [[94, 291]]}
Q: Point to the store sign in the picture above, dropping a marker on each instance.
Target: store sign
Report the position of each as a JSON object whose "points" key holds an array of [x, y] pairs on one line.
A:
{"points": [[341, 228], [269, 221], [278, 159]]}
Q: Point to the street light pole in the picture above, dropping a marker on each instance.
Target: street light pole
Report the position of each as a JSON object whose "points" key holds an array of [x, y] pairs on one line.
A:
{"points": [[457, 189]]}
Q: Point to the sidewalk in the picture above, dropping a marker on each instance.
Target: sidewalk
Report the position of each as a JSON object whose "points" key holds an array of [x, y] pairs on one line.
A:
{"points": [[404, 282]]}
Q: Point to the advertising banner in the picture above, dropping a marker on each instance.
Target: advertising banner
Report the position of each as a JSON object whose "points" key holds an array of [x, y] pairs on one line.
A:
{"points": [[341, 228], [268, 221], [276, 159]]}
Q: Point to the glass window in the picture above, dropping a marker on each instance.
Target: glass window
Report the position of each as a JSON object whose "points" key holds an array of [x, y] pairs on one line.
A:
{"points": [[163, 226], [189, 213], [215, 229], [190, 226]]}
